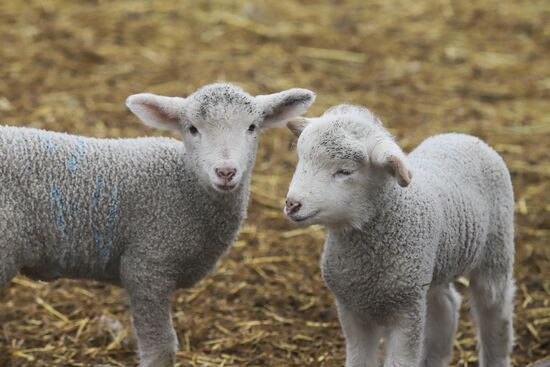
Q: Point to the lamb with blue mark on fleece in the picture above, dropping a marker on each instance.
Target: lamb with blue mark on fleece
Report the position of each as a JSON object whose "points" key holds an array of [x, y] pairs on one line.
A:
{"points": [[148, 214]]}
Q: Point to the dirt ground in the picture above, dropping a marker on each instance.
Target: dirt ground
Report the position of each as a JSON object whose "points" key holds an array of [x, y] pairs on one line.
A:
{"points": [[425, 67]]}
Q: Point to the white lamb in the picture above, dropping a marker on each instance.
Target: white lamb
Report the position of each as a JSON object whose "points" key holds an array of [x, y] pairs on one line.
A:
{"points": [[401, 228], [148, 214]]}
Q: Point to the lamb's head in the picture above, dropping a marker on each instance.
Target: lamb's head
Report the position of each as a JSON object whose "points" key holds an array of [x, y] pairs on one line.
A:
{"points": [[220, 126], [343, 157]]}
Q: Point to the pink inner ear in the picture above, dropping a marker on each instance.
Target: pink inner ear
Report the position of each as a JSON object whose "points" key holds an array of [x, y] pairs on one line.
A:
{"points": [[296, 125], [397, 168], [154, 115], [158, 113]]}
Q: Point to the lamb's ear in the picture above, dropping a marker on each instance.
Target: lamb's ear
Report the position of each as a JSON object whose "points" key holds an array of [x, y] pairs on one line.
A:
{"points": [[277, 108], [296, 125], [386, 154], [157, 111]]}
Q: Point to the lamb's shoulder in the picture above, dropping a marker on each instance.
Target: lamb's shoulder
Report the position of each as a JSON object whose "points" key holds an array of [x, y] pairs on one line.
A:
{"points": [[382, 268]]}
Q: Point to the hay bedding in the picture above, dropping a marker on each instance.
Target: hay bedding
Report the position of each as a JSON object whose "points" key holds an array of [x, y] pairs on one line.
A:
{"points": [[425, 67]]}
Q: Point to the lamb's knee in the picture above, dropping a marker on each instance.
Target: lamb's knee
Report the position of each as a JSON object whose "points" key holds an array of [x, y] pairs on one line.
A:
{"points": [[493, 294], [450, 297], [444, 305], [454, 299]]}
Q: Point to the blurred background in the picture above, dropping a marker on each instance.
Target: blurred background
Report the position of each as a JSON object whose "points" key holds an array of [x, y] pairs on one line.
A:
{"points": [[425, 67]]}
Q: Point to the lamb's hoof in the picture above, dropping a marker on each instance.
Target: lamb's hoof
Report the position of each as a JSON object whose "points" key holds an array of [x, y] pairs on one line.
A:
{"points": [[162, 360]]}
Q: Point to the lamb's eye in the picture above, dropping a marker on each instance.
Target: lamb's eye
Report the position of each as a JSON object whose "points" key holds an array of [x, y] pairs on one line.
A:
{"points": [[252, 128], [193, 130], [343, 172]]}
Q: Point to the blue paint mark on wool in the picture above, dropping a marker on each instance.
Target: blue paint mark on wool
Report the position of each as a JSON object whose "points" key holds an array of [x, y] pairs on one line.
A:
{"points": [[76, 157], [50, 145], [104, 215], [99, 184], [103, 228], [47, 138], [74, 208], [111, 221], [60, 209], [65, 212]]}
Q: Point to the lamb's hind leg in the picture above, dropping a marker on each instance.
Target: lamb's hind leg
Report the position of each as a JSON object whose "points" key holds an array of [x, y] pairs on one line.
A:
{"points": [[492, 306], [441, 323], [492, 288]]}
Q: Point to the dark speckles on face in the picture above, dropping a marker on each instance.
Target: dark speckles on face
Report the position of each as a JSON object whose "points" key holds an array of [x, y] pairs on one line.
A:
{"points": [[337, 145], [213, 100], [342, 133]]}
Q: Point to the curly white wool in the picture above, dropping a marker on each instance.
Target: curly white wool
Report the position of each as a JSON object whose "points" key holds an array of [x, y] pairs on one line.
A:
{"points": [[401, 228], [149, 214]]}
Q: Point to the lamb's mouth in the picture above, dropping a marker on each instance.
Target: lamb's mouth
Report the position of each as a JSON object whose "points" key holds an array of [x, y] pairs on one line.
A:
{"points": [[225, 188], [304, 218]]}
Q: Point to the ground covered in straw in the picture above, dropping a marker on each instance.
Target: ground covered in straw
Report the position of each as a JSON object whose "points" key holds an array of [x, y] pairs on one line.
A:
{"points": [[480, 67]]}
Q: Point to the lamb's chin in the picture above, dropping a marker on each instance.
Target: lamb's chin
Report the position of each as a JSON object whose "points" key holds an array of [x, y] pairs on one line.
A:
{"points": [[305, 220], [225, 188]]}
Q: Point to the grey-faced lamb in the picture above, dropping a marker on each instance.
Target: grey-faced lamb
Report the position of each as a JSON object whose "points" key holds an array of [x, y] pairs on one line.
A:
{"points": [[148, 214], [400, 229]]}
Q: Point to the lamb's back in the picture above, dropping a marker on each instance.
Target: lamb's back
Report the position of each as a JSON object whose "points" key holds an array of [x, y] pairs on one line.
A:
{"points": [[461, 158]]}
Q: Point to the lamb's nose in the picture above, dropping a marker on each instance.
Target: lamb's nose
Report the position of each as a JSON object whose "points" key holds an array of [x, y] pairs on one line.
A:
{"points": [[226, 173], [292, 206]]}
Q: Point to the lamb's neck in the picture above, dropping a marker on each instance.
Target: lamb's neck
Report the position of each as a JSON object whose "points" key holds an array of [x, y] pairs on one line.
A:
{"points": [[384, 201]]}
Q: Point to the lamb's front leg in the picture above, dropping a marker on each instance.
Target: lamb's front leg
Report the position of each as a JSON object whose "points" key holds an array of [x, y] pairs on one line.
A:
{"points": [[157, 339], [362, 338], [150, 301], [405, 341]]}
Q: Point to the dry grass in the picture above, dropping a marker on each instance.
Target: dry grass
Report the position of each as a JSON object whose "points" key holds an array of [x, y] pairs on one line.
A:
{"points": [[425, 67]]}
